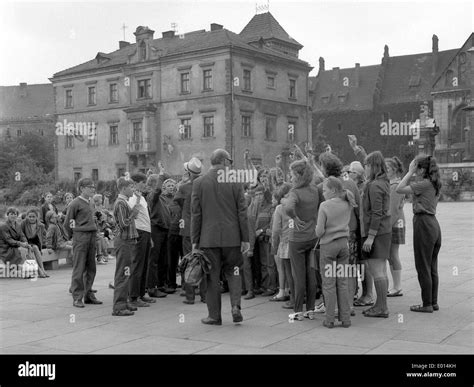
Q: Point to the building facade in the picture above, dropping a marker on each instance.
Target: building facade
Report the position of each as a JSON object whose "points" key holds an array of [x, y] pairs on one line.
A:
{"points": [[180, 96]]}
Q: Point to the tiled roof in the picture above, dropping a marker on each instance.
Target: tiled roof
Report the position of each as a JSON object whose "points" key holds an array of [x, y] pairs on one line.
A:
{"points": [[266, 26], [38, 102], [328, 86], [199, 40], [401, 71]]}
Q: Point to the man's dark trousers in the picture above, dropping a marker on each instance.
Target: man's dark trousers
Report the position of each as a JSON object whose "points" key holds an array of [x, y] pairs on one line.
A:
{"points": [[125, 251], [231, 261], [158, 260], [83, 264], [140, 265], [174, 249]]}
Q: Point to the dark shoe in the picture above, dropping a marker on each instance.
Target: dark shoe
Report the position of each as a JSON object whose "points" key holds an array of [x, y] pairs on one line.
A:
{"points": [[166, 290], [268, 293], [92, 300], [78, 304], [123, 312], [422, 309], [211, 321], [329, 325], [203, 300], [396, 293], [111, 285], [249, 296], [244, 292], [189, 302], [258, 291], [236, 315], [93, 291], [435, 307], [346, 324], [288, 305], [131, 307], [148, 300], [280, 299], [156, 293], [374, 313], [182, 294]]}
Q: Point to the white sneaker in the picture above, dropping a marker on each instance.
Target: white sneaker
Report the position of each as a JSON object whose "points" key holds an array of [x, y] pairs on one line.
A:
{"points": [[320, 308]]}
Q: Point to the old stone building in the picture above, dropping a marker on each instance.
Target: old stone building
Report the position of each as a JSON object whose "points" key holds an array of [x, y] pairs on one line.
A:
{"points": [[26, 108], [365, 99], [179, 96]]}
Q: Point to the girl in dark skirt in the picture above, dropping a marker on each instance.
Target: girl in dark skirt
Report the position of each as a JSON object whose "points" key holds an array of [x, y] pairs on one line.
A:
{"points": [[426, 230], [395, 169], [377, 230]]}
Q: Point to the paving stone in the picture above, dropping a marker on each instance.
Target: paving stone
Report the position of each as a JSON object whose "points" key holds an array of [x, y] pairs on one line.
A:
{"points": [[308, 345], [408, 347]]}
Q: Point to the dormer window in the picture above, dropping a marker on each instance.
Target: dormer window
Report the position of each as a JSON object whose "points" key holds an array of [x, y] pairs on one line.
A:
{"points": [[414, 81], [142, 51]]}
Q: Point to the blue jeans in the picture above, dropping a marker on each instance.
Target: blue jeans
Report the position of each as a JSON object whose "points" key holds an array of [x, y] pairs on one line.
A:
{"points": [[334, 266]]}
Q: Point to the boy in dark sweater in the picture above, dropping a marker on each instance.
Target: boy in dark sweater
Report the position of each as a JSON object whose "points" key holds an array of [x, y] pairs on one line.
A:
{"points": [[80, 223]]}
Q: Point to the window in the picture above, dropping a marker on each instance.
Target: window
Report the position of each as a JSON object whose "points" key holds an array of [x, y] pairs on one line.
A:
{"points": [[339, 127], [41, 132], [185, 132], [209, 126], [69, 141], [77, 176], [325, 100], [95, 175], [137, 133], [114, 135], [246, 128], [207, 79], [91, 95], [185, 83], [449, 78], [292, 88], [414, 81], [247, 80], [18, 133], [270, 82], [113, 92], [291, 131], [92, 142], [142, 51], [144, 88], [270, 128], [385, 117], [121, 169], [69, 98], [409, 117]]}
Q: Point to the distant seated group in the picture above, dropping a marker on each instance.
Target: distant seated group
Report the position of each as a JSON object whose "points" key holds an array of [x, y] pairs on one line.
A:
{"points": [[26, 237]]}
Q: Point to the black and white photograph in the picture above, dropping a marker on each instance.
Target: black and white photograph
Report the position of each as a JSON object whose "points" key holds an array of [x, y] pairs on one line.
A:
{"points": [[266, 178]]}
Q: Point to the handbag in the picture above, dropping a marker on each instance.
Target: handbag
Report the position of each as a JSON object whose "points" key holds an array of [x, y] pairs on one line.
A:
{"points": [[314, 256]]}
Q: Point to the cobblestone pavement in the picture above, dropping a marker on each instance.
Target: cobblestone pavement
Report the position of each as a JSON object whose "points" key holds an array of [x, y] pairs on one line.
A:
{"points": [[38, 317]]}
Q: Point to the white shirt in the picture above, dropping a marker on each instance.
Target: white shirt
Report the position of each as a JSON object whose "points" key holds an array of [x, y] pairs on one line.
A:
{"points": [[142, 221]]}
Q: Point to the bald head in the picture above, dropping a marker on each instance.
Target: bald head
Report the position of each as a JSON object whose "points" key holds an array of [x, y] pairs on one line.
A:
{"points": [[219, 156]]}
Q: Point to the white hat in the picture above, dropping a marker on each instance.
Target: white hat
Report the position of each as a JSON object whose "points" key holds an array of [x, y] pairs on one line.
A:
{"points": [[194, 166]]}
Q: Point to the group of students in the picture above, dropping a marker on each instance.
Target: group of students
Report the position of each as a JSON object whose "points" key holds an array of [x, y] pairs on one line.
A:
{"points": [[313, 237], [325, 217]]}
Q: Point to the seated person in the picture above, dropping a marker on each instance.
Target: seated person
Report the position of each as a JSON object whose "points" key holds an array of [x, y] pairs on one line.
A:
{"points": [[34, 230], [14, 247], [55, 239]]}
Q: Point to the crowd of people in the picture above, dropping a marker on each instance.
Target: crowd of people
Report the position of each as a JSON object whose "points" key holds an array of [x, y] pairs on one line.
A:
{"points": [[302, 238]]}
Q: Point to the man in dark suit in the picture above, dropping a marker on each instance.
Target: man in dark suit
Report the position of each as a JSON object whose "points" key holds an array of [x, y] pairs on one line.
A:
{"points": [[219, 227]]}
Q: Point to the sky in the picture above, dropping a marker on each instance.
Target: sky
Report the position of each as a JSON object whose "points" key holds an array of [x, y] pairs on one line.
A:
{"points": [[38, 39]]}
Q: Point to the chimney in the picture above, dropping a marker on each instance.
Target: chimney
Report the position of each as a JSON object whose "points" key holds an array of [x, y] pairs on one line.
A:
{"points": [[23, 90], [143, 33], [123, 43], [357, 75], [435, 55], [168, 34], [321, 64], [335, 73], [386, 55], [216, 27]]}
